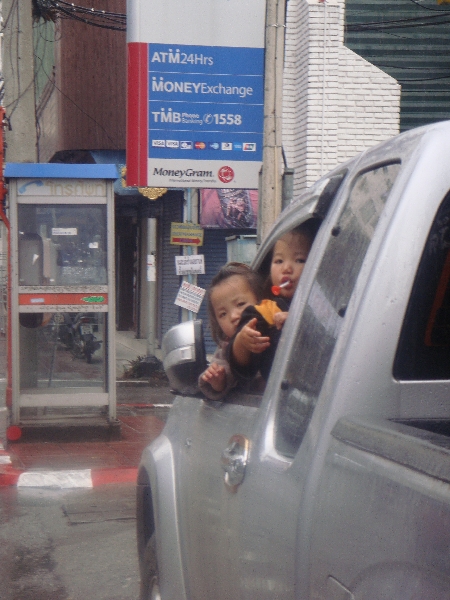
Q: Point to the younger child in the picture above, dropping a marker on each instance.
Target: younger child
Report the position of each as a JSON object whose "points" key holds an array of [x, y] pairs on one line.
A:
{"points": [[232, 289], [254, 345]]}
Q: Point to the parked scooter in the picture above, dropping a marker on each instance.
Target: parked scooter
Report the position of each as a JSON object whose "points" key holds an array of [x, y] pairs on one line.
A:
{"points": [[76, 331], [84, 341]]}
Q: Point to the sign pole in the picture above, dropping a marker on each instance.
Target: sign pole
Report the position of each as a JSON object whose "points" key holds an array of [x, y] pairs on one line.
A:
{"points": [[190, 214], [271, 184], [151, 279]]}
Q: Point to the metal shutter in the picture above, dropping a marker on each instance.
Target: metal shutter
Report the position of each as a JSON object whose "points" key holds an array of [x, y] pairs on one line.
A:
{"points": [[215, 251], [168, 283], [409, 42]]}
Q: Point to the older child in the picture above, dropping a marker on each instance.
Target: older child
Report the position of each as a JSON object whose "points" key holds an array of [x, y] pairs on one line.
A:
{"points": [[233, 288], [253, 347]]}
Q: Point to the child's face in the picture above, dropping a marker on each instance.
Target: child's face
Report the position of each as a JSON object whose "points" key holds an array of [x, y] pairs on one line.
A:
{"points": [[289, 257], [229, 299]]}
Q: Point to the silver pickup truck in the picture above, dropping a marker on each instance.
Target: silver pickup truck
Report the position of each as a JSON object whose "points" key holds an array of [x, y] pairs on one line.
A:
{"points": [[334, 484]]}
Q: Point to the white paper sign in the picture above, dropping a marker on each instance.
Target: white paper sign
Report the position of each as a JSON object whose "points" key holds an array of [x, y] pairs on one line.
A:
{"points": [[190, 297], [64, 231], [151, 267], [191, 264]]}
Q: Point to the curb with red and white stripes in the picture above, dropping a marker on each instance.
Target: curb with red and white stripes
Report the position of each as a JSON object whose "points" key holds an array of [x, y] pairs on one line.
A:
{"points": [[64, 479], [67, 479]]}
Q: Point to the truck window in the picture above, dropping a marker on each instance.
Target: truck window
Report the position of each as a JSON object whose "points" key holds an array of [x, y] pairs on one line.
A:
{"points": [[327, 303], [424, 347]]}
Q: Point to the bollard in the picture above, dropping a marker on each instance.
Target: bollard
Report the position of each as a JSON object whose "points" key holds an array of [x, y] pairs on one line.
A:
{"points": [[4, 419]]}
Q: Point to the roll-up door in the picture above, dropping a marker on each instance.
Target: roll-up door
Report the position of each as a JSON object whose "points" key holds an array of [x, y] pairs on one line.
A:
{"points": [[168, 282], [215, 250]]}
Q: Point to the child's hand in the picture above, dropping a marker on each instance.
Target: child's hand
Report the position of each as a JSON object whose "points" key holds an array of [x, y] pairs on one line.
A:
{"points": [[279, 319], [216, 377], [251, 339]]}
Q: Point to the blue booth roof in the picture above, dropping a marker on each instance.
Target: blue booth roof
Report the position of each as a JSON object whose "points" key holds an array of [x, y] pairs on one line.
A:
{"points": [[61, 171]]}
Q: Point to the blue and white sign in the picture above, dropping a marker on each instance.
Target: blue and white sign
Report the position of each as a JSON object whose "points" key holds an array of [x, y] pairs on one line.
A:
{"points": [[200, 108], [205, 97]]}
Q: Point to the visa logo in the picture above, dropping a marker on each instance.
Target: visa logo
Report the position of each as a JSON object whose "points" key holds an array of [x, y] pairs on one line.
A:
{"points": [[172, 144], [186, 145], [249, 147], [213, 145], [199, 145], [227, 146], [159, 143]]}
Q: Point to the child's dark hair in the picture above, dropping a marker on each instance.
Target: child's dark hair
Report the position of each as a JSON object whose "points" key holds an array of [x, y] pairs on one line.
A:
{"points": [[309, 229], [254, 281]]}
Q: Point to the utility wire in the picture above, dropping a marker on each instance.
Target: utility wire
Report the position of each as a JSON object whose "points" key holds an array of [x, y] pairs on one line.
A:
{"points": [[424, 79], [409, 23], [8, 16], [52, 82], [52, 9]]}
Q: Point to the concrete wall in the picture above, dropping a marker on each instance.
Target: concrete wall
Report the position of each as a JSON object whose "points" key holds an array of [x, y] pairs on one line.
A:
{"points": [[48, 116], [18, 72], [336, 104]]}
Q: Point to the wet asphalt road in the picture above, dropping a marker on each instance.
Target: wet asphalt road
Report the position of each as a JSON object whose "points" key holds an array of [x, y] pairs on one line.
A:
{"points": [[68, 545]]}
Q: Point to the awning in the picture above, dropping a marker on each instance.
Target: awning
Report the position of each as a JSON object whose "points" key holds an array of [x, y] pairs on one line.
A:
{"points": [[118, 158]]}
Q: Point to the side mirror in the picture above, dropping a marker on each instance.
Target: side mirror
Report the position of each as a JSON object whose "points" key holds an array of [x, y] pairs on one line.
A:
{"points": [[184, 356]]}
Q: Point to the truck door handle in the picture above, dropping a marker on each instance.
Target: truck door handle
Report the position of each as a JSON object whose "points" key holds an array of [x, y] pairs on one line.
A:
{"points": [[234, 461]]}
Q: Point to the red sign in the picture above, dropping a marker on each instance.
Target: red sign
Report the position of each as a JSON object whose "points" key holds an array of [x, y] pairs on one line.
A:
{"points": [[62, 298], [226, 174], [186, 241]]}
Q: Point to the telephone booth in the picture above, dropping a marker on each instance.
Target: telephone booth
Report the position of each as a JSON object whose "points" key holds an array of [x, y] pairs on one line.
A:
{"points": [[62, 294]]}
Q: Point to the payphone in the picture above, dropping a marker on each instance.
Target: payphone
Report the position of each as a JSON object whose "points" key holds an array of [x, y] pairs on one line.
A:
{"points": [[62, 293]]}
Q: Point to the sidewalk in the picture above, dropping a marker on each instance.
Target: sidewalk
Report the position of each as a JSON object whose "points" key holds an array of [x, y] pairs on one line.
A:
{"points": [[142, 407]]}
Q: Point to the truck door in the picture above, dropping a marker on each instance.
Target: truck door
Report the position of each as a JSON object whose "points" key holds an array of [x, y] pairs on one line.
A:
{"points": [[268, 502], [378, 487], [246, 468]]}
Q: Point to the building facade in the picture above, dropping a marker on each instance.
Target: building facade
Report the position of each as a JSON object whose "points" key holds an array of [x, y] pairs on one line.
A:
{"points": [[341, 95]]}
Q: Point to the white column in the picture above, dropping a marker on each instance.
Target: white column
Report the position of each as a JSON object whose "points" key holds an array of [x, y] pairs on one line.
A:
{"points": [[18, 71]]}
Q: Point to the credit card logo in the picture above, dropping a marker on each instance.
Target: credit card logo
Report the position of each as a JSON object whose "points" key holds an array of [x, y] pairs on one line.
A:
{"points": [[249, 147], [186, 145], [213, 145], [199, 145], [227, 146], [237, 146], [172, 144], [159, 143]]}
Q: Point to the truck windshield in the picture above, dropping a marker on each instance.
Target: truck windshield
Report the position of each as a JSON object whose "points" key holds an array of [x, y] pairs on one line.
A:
{"points": [[327, 302]]}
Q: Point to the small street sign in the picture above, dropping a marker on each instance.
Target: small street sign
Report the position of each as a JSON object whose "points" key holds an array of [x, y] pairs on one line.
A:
{"points": [[186, 234], [190, 297], [193, 264]]}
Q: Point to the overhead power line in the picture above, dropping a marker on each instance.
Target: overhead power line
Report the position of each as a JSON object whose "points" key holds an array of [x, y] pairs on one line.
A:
{"points": [[51, 10], [408, 23]]}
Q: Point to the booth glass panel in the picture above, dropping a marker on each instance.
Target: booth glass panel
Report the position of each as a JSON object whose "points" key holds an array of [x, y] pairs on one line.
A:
{"points": [[62, 245], [68, 351]]}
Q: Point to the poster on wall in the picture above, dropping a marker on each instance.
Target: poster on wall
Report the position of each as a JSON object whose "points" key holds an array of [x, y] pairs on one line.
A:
{"points": [[229, 209], [195, 93]]}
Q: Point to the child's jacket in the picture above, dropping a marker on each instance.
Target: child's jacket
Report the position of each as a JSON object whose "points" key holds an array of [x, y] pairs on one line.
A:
{"points": [[264, 313]]}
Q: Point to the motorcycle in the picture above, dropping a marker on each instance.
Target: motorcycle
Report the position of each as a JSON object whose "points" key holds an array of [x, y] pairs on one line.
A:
{"points": [[84, 341], [76, 331]]}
